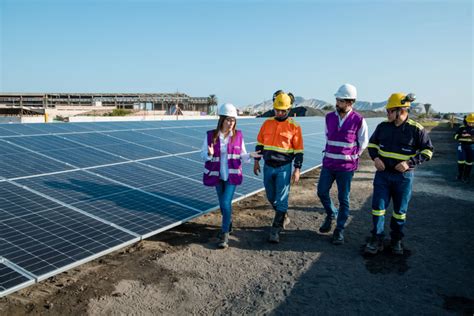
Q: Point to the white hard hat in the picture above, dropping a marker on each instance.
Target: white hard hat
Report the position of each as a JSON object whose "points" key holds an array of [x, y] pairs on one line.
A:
{"points": [[346, 91], [227, 109]]}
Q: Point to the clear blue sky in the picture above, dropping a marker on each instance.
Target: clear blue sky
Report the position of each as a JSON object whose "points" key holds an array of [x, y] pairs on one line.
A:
{"points": [[242, 51]]}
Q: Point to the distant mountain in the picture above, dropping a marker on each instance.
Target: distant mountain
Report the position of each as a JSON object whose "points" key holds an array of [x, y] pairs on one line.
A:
{"points": [[320, 104]]}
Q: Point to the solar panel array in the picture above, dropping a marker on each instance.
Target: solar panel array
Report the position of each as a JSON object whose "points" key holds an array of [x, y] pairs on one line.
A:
{"points": [[72, 192]]}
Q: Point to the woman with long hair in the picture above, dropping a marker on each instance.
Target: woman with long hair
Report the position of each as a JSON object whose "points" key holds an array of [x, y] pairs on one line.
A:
{"points": [[223, 151]]}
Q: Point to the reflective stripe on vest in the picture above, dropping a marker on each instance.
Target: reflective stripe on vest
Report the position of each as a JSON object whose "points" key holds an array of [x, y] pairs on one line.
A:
{"points": [[341, 144], [233, 156], [211, 173], [234, 171], [341, 157]]}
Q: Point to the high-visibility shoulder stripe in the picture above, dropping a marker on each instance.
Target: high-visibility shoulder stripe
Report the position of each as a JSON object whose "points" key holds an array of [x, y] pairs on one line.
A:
{"points": [[279, 149], [414, 123], [372, 145]]}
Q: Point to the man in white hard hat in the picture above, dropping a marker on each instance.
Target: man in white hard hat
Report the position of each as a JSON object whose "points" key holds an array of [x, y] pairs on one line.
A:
{"points": [[346, 139]]}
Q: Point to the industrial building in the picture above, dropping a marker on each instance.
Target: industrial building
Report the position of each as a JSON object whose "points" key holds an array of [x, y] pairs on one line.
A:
{"points": [[76, 103]]}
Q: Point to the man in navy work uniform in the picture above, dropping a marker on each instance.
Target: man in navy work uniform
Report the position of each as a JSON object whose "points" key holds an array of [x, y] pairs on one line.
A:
{"points": [[346, 139], [465, 136], [396, 147]]}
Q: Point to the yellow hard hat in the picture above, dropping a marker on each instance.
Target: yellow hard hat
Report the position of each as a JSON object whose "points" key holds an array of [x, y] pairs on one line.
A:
{"points": [[470, 118], [399, 100], [282, 101]]}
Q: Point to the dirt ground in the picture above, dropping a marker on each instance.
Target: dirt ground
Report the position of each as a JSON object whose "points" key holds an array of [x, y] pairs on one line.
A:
{"points": [[181, 271]]}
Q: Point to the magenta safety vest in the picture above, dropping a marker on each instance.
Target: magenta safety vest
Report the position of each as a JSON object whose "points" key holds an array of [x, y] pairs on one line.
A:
{"points": [[212, 167], [342, 147]]}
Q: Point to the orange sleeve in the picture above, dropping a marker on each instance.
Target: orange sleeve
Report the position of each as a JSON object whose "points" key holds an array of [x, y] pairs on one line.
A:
{"points": [[297, 140]]}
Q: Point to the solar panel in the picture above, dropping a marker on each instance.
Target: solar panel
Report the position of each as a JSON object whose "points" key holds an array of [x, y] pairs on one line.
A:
{"points": [[17, 162], [71, 192], [135, 174], [11, 280]]}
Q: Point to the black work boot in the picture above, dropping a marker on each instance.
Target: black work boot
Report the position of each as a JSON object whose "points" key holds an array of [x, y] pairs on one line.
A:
{"points": [[224, 241], [286, 221], [397, 247], [467, 173], [374, 245], [327, 224], [460, 171], [338, 237], [274, 236], [277, 227]]}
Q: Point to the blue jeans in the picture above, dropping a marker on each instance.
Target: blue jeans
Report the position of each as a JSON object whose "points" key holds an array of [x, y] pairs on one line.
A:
{"points": [[277, 186], [343, 180], [225, 193], [396, 186], [465, 153]]}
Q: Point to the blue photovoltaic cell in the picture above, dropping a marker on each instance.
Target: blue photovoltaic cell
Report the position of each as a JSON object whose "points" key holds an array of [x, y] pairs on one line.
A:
{"points": [[84, 157], [43, 143], [22, 129], [62, 128], [7, 148], [132, 136], [6, 132], [132, 151], [178, 136], [134, 174], [177, 165], [49, 240], [195, 194], [249, 185], [52, 128], [9, 278], [247, 170], [28, 164], [73, 187], [136, 211], [94, 139], [167, 147], [15, 202]]}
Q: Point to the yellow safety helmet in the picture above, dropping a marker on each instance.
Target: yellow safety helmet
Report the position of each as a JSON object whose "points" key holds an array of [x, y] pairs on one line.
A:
{"points": [[400, 100], [470, 118], [282, 100]]}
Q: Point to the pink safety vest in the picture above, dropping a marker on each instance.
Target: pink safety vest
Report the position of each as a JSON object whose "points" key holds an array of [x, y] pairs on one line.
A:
{"points": [[342, 147], [212, 167]]}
